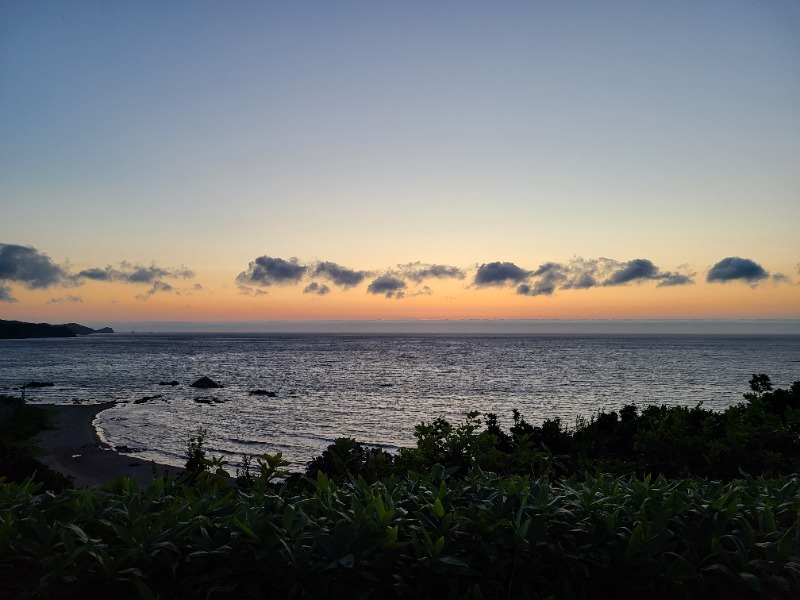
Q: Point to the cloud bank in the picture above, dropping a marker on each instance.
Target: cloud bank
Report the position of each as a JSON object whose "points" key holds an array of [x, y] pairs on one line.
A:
{"points": [[27, 266]]}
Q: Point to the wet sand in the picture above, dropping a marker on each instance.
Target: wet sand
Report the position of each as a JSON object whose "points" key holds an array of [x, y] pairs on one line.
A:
{"points": [[74, 448]]}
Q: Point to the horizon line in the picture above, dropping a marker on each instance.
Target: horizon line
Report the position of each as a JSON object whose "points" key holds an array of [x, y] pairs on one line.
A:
{"points": [[507, 326]]}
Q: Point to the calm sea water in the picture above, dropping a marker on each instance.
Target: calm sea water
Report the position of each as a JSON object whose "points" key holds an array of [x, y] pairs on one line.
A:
{"points": [[374, 388]]}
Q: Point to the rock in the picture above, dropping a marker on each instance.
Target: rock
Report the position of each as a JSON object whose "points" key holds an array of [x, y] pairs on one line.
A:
{"points": [[263, 393], [147, 399], [206, 382], [38, 384], [173, 382], [204, 400]]}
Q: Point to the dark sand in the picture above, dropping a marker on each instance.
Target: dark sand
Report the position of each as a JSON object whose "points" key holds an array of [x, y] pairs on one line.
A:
{"points": [[74, 448]]}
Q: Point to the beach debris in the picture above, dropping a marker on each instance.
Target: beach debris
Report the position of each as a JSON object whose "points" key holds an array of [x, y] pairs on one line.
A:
{"points": [[206, 382], [38, 384], [263, 393], [173, 382], [148, 399]]}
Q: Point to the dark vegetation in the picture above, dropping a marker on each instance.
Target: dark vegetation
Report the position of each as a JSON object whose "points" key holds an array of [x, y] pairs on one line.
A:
{"points": [[21, 330], [660, 502], [17, 454]]}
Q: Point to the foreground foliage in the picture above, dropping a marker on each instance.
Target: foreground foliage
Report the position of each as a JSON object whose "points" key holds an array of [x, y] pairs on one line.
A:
{"points": [[760, 436], [471, 512], [429, 536]]}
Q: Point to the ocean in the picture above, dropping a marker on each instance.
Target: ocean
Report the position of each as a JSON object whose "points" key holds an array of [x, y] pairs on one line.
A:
{"points": [[374, 388]]}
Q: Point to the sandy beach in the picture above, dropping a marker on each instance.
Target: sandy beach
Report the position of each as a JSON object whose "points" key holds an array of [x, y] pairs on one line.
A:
{"points": [[74, 448]]}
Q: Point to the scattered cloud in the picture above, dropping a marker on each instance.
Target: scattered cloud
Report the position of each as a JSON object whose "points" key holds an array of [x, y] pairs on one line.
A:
{"points": [[130, 273], [672, 279], [249, 291], [338, 274], [28, 266], [389, 285], [5, 294], [734, 268], [266, 271], [158, 287], [72, 299], [499, 274], [419, 272], [317, 289]]}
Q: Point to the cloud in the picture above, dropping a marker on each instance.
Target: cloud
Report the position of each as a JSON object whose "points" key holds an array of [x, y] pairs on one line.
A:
{"points": [[672, 279], [73, 299], [316, 288], [266, 271], [5, 294], [633, 270], [389, 285], [158, 287], [499, 273], [734, 268], [26, 265], [781, 278], [551, 276], [130, 273], [97, 274], [418, 271], [248, 291], [338, 274]]}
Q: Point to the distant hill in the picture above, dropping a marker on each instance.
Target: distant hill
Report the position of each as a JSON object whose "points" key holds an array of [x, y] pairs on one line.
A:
{"points": [[17, 330], [83, 330]]}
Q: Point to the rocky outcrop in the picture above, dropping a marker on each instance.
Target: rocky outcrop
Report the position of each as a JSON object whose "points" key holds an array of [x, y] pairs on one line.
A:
{"points": [[205, 382], [83, 330]]}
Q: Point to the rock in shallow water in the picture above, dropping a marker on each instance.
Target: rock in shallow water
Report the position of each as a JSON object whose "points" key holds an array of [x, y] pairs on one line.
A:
{"points": [[206, 382]]}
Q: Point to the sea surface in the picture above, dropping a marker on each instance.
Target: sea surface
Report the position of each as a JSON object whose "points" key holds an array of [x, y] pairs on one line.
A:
{"points": [[374, 388]]}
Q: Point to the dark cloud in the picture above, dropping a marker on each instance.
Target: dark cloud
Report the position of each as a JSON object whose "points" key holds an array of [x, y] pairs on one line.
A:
{"points": [[641, 269], [97, 274], [389, 285], [781, 278], [266, 270], [499, 273], [633, 270], [316, 288], [26, 265], [734, 268], [338, 274], [418, 272]]}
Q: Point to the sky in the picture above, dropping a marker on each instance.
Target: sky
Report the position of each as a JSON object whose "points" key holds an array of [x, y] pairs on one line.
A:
{"points": [[206, 162]]}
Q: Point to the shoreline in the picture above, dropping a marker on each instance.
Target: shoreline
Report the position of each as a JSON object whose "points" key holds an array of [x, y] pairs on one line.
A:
{"points": [[75, 449]]}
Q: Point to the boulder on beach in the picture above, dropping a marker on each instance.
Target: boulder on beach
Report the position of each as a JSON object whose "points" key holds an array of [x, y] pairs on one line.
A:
{"points": [[206, 382], [173, 382], [263, 393]]}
